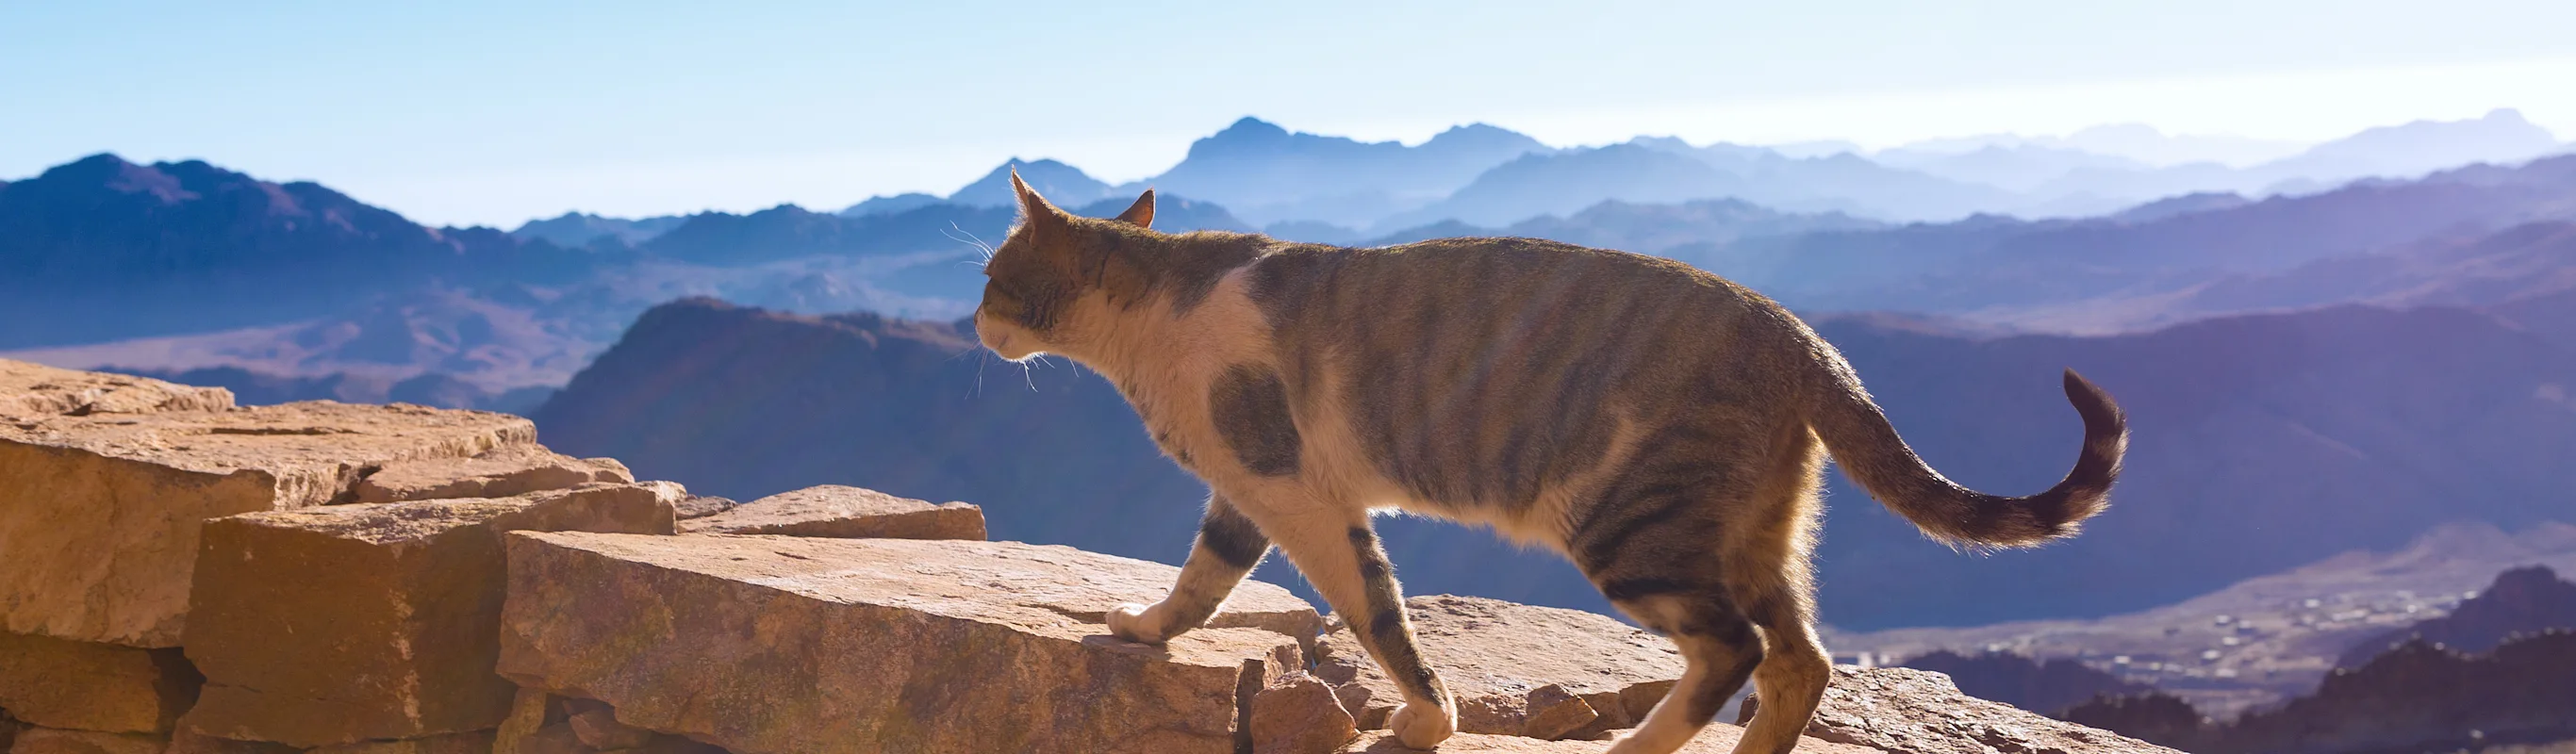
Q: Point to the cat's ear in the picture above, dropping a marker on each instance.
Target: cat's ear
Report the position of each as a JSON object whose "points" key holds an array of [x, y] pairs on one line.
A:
{"points": [[1040, 215], [1140, 214]]}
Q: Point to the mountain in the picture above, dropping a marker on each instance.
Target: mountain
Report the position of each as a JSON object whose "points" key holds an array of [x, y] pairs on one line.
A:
{"points": [[2043, 686], [886, 205], [1063, 184], [575, 229], [1267, 173], [2416, 148], [2044, 273], [2244, 428], [2417, 697], [2265, 640], [2021, 167], [102, 248], [1648, 170], [1645, 228], [2522, 601]]}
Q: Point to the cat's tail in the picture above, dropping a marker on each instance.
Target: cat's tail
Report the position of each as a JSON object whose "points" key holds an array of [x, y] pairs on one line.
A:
{"points": [[1868, 450]]}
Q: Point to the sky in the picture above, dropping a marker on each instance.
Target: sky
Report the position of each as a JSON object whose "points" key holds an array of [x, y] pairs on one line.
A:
{"points": [[472, 112]]}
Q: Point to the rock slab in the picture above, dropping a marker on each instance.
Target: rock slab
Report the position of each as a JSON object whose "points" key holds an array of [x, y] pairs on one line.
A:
{"points": [[101, 511], [1910, 711], [349, 623], [29, 391], [57, 683], [1717, 738], [1519, 670], [56, 741], [845, 512], [792, 645], [502, 472]]}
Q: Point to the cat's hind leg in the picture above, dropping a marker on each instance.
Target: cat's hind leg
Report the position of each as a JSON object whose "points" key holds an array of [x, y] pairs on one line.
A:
{"points": [[1338, 552], [1653, 542], [1228, 547]]}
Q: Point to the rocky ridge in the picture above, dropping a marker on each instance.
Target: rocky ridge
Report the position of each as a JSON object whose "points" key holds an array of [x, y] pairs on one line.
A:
{"points": [[189, 577]]}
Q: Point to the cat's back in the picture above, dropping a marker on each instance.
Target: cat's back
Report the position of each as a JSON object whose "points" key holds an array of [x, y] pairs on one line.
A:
{"points": [[1493, 280]]}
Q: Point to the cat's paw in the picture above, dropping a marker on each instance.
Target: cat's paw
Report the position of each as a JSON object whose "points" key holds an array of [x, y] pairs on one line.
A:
{"points": [[1422, 726], [1128, 622]]}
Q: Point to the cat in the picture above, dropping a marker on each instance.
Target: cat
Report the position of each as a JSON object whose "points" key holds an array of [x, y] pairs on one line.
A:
{"points": [[1661, 427]]}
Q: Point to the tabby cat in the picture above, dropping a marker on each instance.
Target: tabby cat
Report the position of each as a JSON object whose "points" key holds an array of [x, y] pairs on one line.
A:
{"points": [[1661, 427]]}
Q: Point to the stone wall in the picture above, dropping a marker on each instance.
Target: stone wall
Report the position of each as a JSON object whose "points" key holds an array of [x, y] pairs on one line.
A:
{"points": [[181, 575]]}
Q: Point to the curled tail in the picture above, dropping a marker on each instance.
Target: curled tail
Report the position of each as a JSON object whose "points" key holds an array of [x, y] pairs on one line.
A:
{"points": [[1868, 450]]}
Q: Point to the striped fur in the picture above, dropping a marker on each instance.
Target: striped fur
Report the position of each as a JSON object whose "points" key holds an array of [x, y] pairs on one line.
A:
{"points": [[1660, 426]]}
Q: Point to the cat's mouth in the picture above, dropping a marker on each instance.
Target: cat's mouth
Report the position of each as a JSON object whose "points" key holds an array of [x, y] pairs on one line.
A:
{"points": [[1002, 340]]}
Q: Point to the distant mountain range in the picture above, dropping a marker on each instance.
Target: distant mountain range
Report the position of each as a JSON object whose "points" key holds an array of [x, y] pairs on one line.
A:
{"points": [[1330, 186], [2247, 429], [102, 248]]}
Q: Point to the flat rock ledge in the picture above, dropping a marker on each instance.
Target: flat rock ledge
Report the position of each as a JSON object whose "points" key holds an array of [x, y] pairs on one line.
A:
{"points": [[844, 512], [1908, 711], [99, 512], [1519, 670], [394, 610], [787, 645], [503, 472]]}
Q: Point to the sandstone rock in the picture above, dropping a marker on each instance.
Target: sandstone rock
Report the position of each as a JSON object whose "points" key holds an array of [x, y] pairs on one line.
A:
{"points": [[1298, 714], [505, 471], [350, 623], [538, 724], [790, 645], [847, 512], [185, 741], [29, 391], [80, 685], [472, 742], [57, 741], [1719, 738], [100, 515], [9, 730], [1520, 670], [1912, 711], [702, 506], [595, 723]]}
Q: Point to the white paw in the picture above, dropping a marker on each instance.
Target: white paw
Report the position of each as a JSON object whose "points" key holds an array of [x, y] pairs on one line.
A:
{"points": [[1421, 726], [1128, 622]]}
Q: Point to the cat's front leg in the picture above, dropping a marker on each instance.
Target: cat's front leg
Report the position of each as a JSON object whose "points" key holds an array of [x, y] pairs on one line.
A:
{"points": [[1229, 545]]}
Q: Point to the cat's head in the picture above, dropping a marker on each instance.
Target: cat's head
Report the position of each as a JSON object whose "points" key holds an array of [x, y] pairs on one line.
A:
{"points": [[1040, 284]]}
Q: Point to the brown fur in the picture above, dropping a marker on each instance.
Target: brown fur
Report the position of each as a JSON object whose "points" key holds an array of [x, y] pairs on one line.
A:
{"points": [[1661, 427]]}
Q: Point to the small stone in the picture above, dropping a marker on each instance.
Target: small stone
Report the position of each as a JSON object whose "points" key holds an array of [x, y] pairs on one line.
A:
{"points": [[597, 726], [502, 472], [1298, 714], [58, 683], [844, 512]]}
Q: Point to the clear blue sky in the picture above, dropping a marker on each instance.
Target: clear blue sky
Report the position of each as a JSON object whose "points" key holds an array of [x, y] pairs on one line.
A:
{"points": [[491, 112]]}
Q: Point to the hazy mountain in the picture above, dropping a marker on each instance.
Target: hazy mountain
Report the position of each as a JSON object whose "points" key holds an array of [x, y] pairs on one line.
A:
{"points": [[102, 248], [2021, 167], [1063, 184], [1665, 169], [2245, 429], [2522, 601], [2060, 272], [2264, 640], [2423, 146], [575, 229], [1645, 228], [1266, 173], [884, 205]]}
